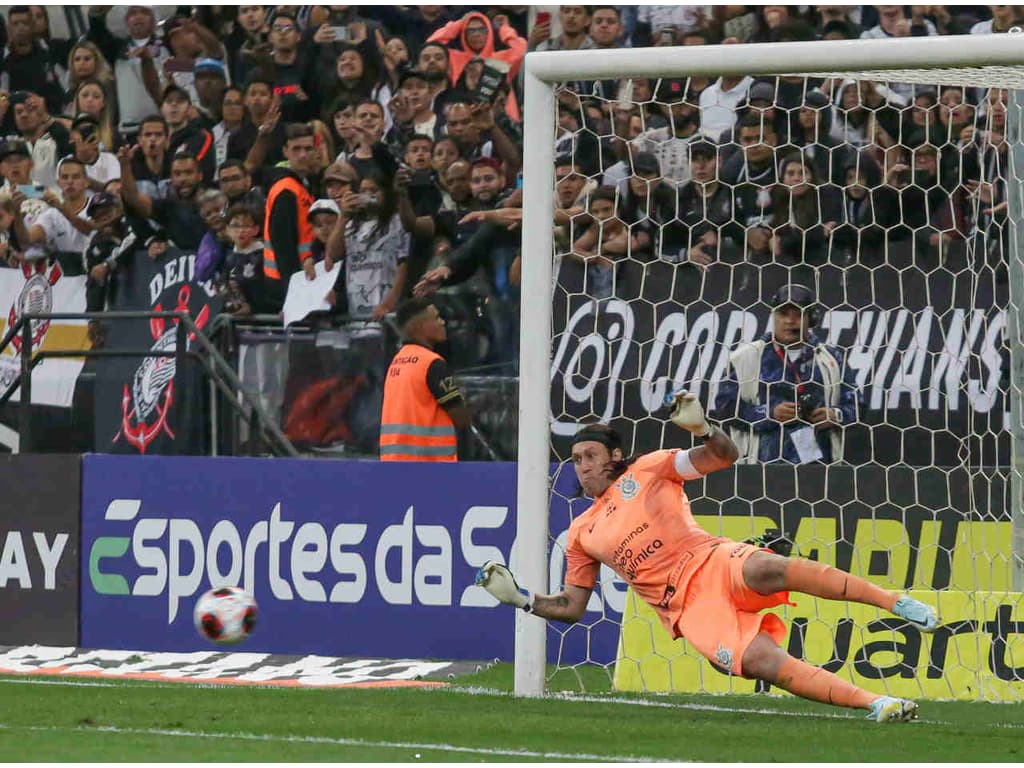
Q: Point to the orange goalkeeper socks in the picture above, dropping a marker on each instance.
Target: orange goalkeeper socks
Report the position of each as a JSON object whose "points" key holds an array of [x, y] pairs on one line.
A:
{"points": [[820, 580], [819, 684]]}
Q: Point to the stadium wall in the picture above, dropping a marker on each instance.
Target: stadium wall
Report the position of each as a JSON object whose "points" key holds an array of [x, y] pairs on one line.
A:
{"points": [[39, 545], [363, 558]]}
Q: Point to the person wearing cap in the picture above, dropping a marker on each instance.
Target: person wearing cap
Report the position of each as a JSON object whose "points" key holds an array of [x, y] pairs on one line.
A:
{"points": [[708, 589], [787, 397], [211, 84], [110, 247], [100, 166], [190, 42], [421, 119], [16, 168], [423, 405], [137, 61], [187, 134], [324, 218], [705, 222]]}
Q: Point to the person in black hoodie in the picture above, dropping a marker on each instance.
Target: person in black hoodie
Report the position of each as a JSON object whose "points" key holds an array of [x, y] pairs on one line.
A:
{"points": [[859, 237], [190, 134]]}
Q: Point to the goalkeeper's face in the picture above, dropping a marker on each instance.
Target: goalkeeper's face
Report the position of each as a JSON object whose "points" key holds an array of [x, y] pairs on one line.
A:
{"points": [[593, 464]]}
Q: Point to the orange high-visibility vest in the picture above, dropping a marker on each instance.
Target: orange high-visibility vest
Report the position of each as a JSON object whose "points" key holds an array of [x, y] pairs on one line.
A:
{"points": [[304, 200], [414, 427]]}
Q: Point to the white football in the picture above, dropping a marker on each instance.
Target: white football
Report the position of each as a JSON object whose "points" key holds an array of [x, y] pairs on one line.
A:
{"points": [[225, 615]]}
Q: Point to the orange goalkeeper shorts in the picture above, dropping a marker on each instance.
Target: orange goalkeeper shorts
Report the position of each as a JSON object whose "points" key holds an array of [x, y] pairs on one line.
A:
{"points": [[720, 612]]}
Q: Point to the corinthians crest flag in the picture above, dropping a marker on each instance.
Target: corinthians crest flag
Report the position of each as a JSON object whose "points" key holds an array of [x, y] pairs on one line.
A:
{"points": [[145, 405], [41, 287]]}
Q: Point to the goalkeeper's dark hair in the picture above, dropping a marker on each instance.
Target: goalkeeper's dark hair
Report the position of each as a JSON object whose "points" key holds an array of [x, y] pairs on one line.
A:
{"points": [[610, 439]]}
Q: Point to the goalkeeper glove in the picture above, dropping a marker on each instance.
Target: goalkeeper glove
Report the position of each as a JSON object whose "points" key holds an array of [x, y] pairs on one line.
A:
{"points": [[688, 413], [499, 581]]}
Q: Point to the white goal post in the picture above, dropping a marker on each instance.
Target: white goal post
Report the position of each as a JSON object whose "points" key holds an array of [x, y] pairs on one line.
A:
{"points": [[960, 59]]}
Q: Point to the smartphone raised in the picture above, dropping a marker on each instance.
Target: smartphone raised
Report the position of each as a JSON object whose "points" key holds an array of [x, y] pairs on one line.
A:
{"points": [[341, 33], [543, 17], [34, 191]]}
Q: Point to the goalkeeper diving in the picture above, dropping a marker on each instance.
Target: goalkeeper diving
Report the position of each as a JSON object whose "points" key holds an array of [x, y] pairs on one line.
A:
{"points": [[707, 589]]}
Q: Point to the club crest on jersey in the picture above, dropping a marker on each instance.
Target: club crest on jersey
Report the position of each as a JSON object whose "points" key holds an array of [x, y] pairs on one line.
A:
{"points": [[628, 486], [724, 657]]}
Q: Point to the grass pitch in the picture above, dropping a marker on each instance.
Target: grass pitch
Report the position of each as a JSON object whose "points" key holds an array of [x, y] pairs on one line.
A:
{"points": [[54, 719]]}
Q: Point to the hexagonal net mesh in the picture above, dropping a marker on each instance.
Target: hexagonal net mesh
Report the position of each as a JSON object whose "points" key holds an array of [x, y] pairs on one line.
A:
{"points": [[879, 443]]}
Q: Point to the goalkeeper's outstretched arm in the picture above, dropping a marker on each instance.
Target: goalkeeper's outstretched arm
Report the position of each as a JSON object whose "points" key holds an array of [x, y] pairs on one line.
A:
{"points": [[718, 451], [567, 606]]}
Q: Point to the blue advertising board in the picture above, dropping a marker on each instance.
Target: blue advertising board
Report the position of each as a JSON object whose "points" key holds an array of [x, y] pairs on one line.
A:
{"points": [[343, 557]]}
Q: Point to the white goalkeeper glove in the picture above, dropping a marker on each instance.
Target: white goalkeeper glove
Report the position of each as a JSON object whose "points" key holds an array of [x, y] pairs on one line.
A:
{"points": [[499, 581], [688, 413]]}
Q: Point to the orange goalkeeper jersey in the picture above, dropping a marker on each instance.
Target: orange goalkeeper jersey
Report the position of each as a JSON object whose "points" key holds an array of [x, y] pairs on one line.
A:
{"points": [[643, 529]]}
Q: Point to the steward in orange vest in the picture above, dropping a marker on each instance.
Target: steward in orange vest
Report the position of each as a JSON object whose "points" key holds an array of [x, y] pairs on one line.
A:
{"points": [[287, 233], [422, 403]]}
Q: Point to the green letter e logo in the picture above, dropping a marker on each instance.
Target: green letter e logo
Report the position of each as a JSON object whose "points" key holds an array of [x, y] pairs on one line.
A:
{"points": [[112, 547]]}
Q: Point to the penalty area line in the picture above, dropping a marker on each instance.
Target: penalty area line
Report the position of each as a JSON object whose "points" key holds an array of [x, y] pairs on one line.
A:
{"points": [[342, 742]]}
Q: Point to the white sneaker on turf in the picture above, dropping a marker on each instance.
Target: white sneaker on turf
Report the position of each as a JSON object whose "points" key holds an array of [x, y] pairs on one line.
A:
{"points": [[889, 709], [917, 613]]}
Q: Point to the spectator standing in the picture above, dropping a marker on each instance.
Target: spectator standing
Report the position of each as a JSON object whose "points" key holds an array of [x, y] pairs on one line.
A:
{"points": [[187, 133], [243, 264], [178, 213], [477, 37], [85, 62], [423, 405], [47, 139], [137, 62], [287, 234], [787, 396], [91, 98], [804, 213], [28, 65], [151, 163], [100, 166]]}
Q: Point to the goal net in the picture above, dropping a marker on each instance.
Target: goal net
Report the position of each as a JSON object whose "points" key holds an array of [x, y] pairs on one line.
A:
{"points": [[697, 190]]}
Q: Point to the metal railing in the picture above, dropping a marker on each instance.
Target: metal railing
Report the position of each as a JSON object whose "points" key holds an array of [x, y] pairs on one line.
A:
{"points": [[220, 373]]}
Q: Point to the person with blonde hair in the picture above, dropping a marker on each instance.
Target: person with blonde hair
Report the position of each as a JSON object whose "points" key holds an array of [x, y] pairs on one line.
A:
{"points": [[91, 98]]}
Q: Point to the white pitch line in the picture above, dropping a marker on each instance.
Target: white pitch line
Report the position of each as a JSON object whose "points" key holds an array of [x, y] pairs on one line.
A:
{"points": [[338, 742]]}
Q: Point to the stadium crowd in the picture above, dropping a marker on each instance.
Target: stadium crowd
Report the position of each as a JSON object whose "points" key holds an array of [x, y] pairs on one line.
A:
{"points": [[388, 140]]}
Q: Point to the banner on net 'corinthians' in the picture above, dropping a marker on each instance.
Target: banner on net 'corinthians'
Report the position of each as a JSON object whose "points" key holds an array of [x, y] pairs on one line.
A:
{"points": [[927, 349]]}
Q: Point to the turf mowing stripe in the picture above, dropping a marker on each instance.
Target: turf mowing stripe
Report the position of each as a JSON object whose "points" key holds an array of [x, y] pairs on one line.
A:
{"points": [[340, 742], [476, 691]]}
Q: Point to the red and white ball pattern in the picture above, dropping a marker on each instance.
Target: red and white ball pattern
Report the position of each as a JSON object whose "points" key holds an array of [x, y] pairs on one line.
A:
{"points": [[225, 615]]}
